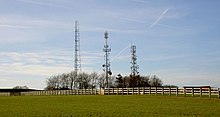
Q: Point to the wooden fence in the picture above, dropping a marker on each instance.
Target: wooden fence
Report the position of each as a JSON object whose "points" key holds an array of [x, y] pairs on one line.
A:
{"points": [[63, 92], [194, 92], [54, 92], [164, 91]]}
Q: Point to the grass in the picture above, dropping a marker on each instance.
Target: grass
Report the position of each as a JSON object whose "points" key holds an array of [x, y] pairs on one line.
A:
{"points": [[108, 106]]}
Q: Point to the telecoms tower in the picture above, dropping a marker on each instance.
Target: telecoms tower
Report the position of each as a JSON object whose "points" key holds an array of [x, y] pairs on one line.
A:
{"points": [[77, 59], [134, 66], [106, 66]]}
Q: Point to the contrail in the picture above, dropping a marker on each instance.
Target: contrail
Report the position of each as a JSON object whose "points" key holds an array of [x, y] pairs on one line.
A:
{"points": [[120, 52], [159, 18]]}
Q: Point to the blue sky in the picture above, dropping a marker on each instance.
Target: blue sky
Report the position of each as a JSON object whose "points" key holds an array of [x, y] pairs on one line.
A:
{"points": [[178, 40]]}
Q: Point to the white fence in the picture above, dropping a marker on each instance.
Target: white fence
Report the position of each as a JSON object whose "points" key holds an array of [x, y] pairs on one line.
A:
{"points": [[4, 93], [164, 91], [209, 92], [54, 92], [63, 92]]}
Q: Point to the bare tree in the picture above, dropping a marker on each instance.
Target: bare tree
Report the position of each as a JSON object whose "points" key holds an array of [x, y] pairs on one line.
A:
{"points": [[20, 87], [52, 83], [155, 81], [101, 80], [144, 81], [93, 76], [64, 81], [84, 80], [72, 77]]}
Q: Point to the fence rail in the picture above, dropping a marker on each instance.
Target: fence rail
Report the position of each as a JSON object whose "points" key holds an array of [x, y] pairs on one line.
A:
{"points": [[198, 92], [164, 91], [53, 92]]}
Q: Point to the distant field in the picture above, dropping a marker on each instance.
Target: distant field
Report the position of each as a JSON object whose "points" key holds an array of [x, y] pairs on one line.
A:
{"points": [[113, 106]]}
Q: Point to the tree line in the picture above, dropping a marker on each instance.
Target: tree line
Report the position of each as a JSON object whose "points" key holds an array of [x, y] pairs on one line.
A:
{"points": [[83, 80], [137, 81]]}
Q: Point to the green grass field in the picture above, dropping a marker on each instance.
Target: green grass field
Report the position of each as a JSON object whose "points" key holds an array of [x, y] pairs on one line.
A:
{"points": [[112, 106]]}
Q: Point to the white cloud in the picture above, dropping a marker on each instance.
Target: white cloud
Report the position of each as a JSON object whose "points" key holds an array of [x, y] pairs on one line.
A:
{"points": [[24, 22], [33, 63], [39, 2], [16, 29], [36, 65], [182, 76], [162, 58]]}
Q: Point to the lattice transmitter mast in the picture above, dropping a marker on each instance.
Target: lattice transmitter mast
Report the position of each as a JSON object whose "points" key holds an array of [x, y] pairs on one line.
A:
{"points": [[134, 66], [77, 59], [106, 66]]}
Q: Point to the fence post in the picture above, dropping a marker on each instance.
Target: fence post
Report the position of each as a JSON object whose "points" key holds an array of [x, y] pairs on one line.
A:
{"points": [[127, 91], [132, 90], [200, 91], [177, 91], [92, 92], [85, 91], [150, 90], [184, 90], [169, 91], [218, 92], [143, 90], [192, 92], [155, 90], [122, 91], [162, 90], [210, 91]]}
